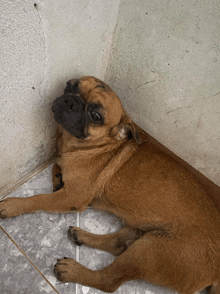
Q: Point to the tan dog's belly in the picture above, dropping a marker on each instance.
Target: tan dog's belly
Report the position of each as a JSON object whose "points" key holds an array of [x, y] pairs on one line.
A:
{"points": [[153, 187]]}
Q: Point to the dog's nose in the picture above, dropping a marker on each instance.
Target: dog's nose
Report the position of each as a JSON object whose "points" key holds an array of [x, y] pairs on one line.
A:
{"points": [[72, 102]]}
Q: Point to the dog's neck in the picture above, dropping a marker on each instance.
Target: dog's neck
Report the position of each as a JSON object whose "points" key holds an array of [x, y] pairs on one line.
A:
{"points": [[67, 143]]}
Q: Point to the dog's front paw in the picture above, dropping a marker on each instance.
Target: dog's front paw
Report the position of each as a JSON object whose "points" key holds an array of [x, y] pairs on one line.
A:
{"points": [[11, 207], [67, 270], [74, 235]]}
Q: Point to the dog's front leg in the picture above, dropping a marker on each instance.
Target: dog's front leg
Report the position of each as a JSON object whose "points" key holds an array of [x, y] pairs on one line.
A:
{"points": [[58, 201]]}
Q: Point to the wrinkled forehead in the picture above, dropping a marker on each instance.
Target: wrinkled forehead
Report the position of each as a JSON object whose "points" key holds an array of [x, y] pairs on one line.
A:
{"points": [[93, 90]]}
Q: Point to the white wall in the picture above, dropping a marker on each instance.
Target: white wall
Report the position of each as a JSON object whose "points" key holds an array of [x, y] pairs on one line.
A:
{"points": [[42, 47], [161, 57], [165, 66]]}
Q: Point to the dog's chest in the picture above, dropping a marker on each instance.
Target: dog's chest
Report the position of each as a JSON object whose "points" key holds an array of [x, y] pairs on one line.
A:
{"points": [[82, 168]]}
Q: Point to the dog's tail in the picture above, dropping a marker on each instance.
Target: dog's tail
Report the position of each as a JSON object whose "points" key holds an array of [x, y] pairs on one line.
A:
{"points": [[214, 289]]}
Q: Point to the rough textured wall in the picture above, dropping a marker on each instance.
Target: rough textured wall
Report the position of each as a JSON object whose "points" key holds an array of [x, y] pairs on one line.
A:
{"points": [[43, 45], [24, 110], [165, 66]]}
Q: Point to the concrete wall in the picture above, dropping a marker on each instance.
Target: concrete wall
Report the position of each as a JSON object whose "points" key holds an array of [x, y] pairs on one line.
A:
{"points": [[165, 67], [44, 44], [161, 57]]}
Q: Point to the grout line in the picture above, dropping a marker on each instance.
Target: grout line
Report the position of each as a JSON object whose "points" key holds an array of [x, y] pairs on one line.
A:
{"points": [[29, 259], [77, 248]]}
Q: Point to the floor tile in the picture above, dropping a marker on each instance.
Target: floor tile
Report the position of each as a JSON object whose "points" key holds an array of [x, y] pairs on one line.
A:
{"points": [[17, 274], [42, 236]]}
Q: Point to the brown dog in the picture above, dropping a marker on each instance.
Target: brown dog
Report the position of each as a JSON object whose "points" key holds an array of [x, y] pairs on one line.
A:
{"points": [[172, 237]]}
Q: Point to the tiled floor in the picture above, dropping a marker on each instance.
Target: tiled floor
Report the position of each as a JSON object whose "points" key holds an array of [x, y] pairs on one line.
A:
{"points": [[30, 245]]}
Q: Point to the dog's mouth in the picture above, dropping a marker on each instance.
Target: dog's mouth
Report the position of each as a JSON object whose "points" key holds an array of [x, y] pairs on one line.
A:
{"points": [[69, 112], [74, 114]]}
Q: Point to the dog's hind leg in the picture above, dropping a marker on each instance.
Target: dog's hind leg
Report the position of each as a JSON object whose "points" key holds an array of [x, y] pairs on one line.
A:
{"points": [[123, 269], [164, 261], [115, 243]]}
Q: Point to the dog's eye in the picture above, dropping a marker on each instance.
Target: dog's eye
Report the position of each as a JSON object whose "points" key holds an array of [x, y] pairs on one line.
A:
{"points": [[96, 117]]}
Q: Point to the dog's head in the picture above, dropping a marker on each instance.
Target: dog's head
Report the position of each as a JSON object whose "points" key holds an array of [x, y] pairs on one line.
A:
{"points": [[90, 110]]}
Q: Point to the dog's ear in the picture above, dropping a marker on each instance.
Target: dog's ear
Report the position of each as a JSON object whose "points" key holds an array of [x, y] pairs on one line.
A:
{"points": [[125, 129]]}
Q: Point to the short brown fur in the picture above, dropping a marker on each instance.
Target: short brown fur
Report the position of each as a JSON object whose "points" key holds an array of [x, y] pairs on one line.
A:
{"points": [[172, 233]]}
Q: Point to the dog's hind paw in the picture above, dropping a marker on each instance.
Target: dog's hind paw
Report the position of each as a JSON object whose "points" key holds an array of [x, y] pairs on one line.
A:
{"points": [[73, 234]]}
